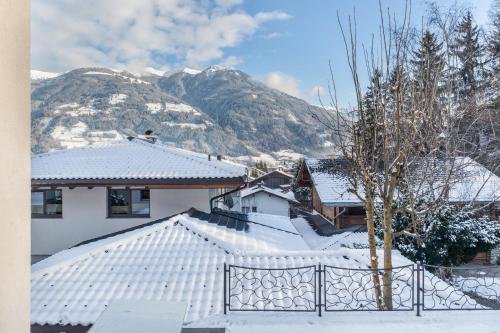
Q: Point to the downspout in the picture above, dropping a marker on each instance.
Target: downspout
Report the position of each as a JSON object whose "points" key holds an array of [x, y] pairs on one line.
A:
{"points": [[224, 194]]}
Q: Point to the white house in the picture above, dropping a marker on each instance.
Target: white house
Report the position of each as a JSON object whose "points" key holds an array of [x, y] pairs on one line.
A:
{"points": [[264, 200], [80, 194]]}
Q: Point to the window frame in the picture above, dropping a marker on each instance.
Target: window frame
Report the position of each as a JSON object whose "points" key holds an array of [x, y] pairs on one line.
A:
{"points": [[129, 215], [44, 215]]}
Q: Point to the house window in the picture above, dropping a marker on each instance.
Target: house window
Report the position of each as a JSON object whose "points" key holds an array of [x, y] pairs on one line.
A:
{"points": [[245, 209], [128, 203], [46, 204], [254, 209]]}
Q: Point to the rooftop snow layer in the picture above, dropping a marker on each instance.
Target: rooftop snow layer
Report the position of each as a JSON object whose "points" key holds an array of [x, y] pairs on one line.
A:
{"points": [[276, 192], [136, 159], [178, 260], [470, 182], [333, 186]]}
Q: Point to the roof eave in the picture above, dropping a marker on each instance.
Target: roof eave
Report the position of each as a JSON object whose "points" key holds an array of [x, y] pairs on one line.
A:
{"points": [[82, 182]]}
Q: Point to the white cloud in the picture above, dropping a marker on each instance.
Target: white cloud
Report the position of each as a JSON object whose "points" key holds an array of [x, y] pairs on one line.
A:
{"points": [[314, 91], [283, 82], [136, 34]]}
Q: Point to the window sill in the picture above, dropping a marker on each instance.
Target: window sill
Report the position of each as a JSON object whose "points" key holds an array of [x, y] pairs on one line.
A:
{"points": [[129, 217], [46, 216]]}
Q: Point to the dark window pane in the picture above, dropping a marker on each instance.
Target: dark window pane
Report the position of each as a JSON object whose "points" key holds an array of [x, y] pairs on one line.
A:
{"points": [[53, 202], [36, 202], [140, 202], [119, 201]]}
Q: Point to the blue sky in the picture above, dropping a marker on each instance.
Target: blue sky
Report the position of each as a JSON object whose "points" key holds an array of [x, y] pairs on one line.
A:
{"points": [[286, 44]]}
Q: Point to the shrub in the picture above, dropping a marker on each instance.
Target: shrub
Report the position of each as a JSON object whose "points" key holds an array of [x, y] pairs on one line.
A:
{"points": [[451, 235]]}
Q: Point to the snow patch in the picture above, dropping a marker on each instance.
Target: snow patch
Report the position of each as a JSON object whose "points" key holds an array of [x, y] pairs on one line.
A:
{"points": [[117, 99], [184, 125], [154, 107], [70, 137], [191, 71], [153, 71], [41, 75], [180, 107]]}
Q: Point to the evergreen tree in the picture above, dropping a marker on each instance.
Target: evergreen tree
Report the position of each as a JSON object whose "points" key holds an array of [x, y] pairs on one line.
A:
{"points": [[428, 65], [469, 52], [451, 235], [493, 46]]}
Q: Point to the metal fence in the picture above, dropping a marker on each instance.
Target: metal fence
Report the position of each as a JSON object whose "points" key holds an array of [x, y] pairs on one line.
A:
{"points": [[456, 288], [329, 288], [349, 289]]}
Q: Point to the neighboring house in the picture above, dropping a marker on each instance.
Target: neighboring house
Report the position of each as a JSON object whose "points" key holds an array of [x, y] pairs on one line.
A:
{"points": [[331, 197], [273, 179], [179, 259], [83, 193], [265, 200]]}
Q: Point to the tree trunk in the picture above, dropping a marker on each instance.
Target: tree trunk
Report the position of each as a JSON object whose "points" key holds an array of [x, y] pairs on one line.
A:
{"points": [[370, 207], [387, 276]]}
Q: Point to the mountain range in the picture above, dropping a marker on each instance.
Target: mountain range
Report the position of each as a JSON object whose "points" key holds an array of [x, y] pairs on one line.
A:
{"points": [[217, 111]]}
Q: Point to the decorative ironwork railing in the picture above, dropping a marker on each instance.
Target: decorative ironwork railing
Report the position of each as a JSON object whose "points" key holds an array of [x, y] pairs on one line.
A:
{"points": [[349, 289], [329, 288], [272, 289], [455, 288]]}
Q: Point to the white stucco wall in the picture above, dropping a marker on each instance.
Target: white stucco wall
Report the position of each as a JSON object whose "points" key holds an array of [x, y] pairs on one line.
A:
{"points": [[266, 204], [85, 216]]}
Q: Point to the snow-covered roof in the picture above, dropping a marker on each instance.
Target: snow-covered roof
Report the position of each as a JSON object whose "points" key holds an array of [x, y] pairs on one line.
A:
{"points": [[471, 182], [289, 196], [474, 182], [354, 239], [180, 259], [130, 159], [332, 187]]}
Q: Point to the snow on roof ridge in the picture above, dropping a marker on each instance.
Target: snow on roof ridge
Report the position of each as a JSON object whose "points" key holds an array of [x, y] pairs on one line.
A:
{"points": [[259, 187], [191, 155], [200, 157]]}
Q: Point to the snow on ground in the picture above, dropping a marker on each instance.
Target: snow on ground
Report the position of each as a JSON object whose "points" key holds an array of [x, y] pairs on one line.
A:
{"points": [[78, 136], [104, 136], [328, 143], [75, 110], [184, 125], [191, 71], [154, 107], [70, 137], [117, 99], [41, 75], [180, 107], [292, 118], [357, 322], [152, 71], [116, 74]]}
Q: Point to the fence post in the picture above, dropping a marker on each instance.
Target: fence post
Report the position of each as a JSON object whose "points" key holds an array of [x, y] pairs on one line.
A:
{"points": [[418, 288], [319, 289], [225, 302]]}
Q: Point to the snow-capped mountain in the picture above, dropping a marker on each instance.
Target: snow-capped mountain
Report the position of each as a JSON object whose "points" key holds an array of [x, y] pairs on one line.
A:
{"points": [[216, 110], [41, 75]]}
